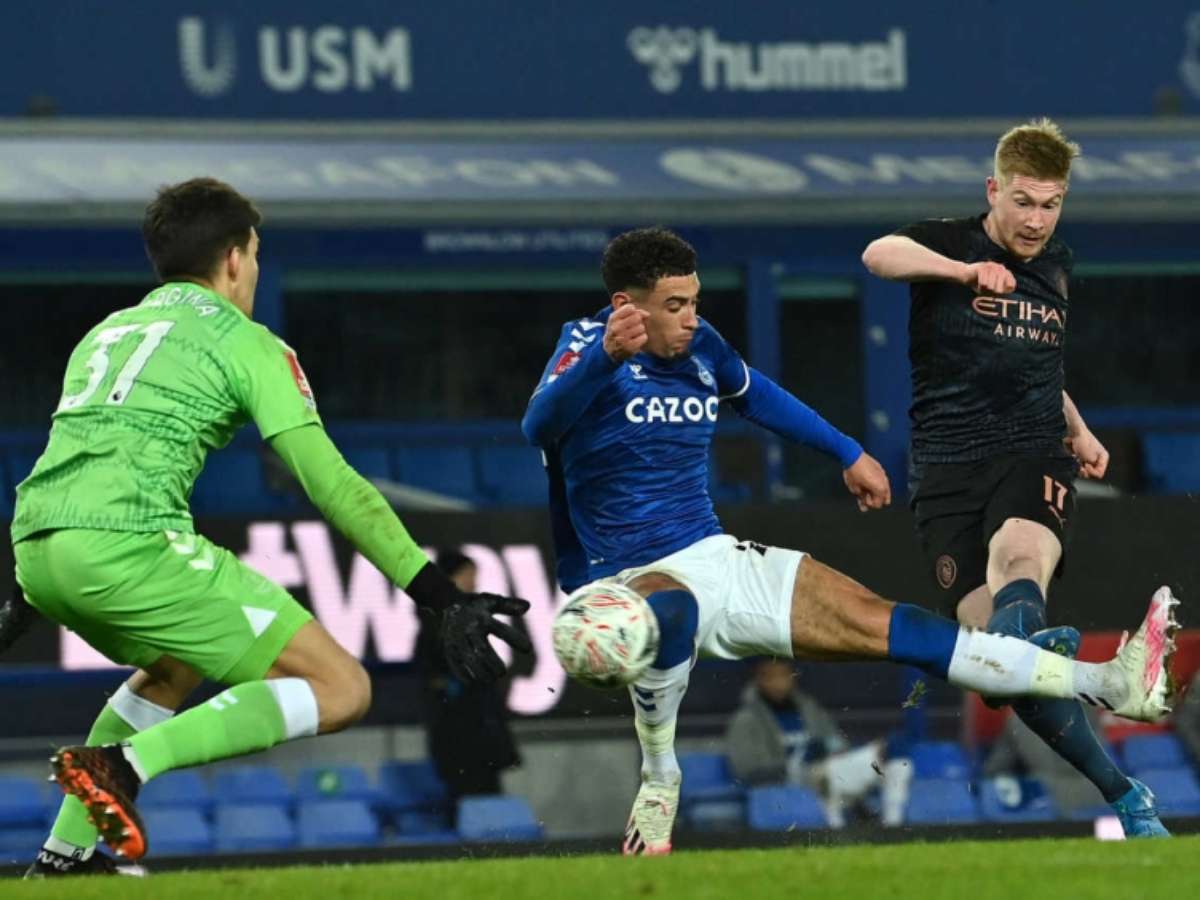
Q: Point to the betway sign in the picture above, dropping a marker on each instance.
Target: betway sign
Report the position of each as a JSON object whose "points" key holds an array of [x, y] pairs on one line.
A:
{"points": [[358, 606]]}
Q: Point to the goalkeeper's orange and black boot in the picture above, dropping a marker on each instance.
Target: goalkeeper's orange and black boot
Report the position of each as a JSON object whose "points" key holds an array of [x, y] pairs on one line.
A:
{"points": [[55, 865], [107, 785]]}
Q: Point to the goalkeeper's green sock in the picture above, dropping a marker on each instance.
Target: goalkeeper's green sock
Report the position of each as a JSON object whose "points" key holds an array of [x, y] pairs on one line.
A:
{"points": [[124, 715], [244, 719]]}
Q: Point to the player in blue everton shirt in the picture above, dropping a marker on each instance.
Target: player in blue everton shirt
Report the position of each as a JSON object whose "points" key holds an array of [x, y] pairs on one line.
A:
{"points": [[625, 413]]}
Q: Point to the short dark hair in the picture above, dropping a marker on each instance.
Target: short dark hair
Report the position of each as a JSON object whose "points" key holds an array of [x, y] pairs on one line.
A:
{"points": [[190, 226], [637, 259]]}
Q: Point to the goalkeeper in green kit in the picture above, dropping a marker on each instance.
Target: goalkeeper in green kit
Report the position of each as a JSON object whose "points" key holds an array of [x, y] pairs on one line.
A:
{"points": [[104, 542]]}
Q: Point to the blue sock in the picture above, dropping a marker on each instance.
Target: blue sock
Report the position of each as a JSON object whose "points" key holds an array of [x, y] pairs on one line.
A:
{"points": [[1020, 610], [678, 618], [922, 639]]}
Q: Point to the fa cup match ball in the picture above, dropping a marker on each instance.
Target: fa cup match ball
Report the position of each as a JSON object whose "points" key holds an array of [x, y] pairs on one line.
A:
{"points": [[605, 635]]}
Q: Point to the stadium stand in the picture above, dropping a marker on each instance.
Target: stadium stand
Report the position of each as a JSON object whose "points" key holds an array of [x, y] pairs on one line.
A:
{"points": [[941, 801], [179, 831], [336, 823], [783, 808], [185, 788], [497, 819]]}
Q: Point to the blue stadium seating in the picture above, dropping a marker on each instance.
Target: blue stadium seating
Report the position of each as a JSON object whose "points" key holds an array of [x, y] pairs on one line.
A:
{"points": [[1009, 799], [1176, 789], [497, 819], [940, 801], [21, 802], [185, 788], [1171, 461], [706, 776], [252, 785], [337, 823], [412, 787], [323, 783], [253, 827], [939, 759], [20, 845], [512, 475], [1153, 751], [783, 808], [177, 831], [446, 469]]}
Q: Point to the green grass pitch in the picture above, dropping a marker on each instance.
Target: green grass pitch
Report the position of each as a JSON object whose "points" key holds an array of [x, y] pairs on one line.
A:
{"points": [[1068, 869]]}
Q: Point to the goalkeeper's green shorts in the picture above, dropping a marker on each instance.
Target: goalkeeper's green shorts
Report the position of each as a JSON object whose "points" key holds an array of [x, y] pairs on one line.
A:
{"points": [[136, 596]]}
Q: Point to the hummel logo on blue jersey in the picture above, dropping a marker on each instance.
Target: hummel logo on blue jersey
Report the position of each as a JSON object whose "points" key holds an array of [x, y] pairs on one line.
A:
{"points": [[638, 374]]}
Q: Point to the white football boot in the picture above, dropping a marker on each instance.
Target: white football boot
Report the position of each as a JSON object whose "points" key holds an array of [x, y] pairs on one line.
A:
{"points": [[649, 830]]}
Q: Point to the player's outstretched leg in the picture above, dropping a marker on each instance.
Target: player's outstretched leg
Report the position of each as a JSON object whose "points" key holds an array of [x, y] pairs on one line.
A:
{"points": [[145, 700], [835, 617], [656, 697], [314, 686], [1020, 611]]}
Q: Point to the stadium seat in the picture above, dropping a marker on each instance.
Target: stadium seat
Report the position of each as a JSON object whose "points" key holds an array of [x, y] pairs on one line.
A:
{"points": [[939, 759], [1176, 789], [512, 475], [252, 785], [783, 808], [253, 827], [20, 845], [706, 776], [445, 469], [324, 783], [1009, 799], [21, 802], [1153, 751], [940, 801], [412, 786], [1169, 461], [336, 823], [497, 819], [177, 830], [184, 788]]}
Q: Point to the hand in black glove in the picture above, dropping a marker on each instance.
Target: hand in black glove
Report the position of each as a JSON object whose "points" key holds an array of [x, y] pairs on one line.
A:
{"points": [[466, 622]]}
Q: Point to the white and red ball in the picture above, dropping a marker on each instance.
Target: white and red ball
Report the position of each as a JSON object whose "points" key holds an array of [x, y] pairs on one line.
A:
{"points": [[605, 635]]}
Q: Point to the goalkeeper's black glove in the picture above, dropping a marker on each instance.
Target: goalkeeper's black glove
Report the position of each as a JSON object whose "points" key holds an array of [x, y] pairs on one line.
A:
{"points": [[466, 622]]}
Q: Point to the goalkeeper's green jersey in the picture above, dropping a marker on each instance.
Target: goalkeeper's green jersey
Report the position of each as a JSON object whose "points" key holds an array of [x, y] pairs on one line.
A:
{"points": [[147, 394]]}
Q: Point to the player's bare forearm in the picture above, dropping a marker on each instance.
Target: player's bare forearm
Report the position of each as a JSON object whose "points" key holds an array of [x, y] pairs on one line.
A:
{"points": [[898, 258], [1075, 423]]}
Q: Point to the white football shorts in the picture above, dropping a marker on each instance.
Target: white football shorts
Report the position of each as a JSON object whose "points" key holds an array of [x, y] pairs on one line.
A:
{"points": [[743, 590]]}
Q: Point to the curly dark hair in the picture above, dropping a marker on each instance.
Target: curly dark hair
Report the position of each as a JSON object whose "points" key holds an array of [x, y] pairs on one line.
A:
{"points": [[637, 259], [190, 226]]}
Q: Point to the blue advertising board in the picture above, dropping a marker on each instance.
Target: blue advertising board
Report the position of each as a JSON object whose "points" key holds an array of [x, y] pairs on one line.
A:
{"points": [[577, 60], [576, 174]]}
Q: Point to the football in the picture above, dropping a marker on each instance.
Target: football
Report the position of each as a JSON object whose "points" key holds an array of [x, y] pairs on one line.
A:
{"points": [[605, 635]]}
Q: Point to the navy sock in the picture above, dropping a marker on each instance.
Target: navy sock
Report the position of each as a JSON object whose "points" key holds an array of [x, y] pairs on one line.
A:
{"points": [[678, 618], [922, 639], [1020, 610]]}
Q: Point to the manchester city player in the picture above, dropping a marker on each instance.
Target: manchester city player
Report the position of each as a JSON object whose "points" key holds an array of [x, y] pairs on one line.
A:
{"points": [[625, 413], [104, 542], [997, 442]]}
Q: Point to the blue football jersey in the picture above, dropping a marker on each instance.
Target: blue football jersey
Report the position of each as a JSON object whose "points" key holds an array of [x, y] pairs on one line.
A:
{"points": [[629, 474]]}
